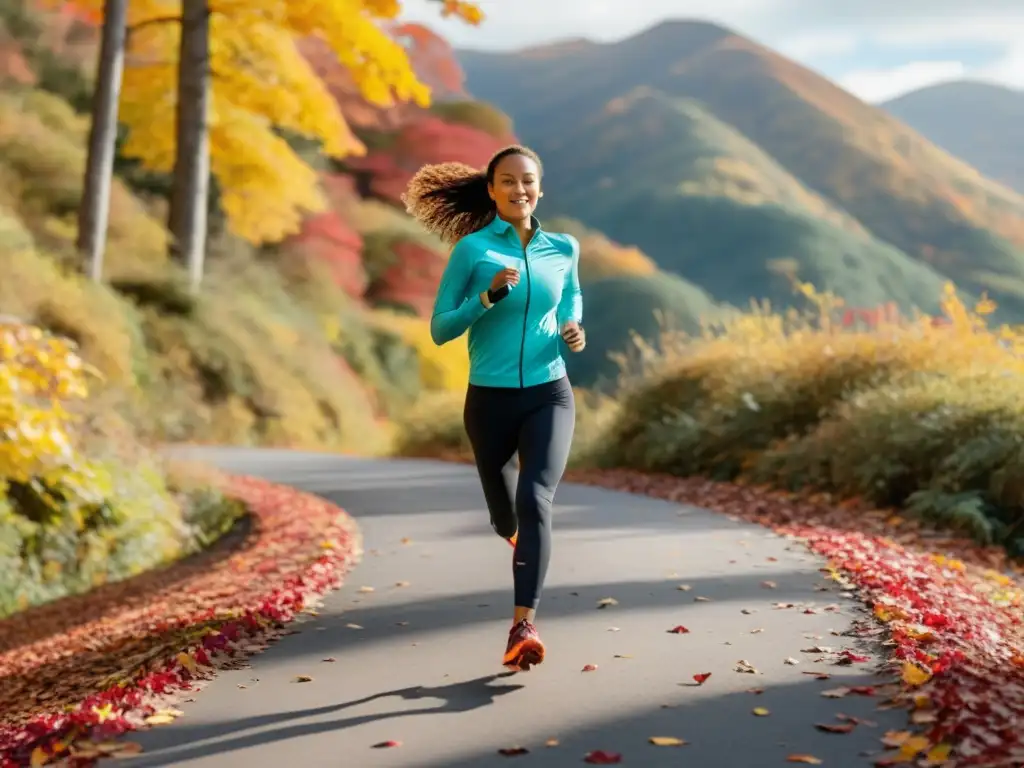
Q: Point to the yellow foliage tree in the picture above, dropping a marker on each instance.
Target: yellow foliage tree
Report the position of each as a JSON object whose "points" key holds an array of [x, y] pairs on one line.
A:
{"points": [[261, 86]]}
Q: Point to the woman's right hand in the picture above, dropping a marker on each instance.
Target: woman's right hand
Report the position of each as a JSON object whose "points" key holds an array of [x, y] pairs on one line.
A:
{"points": [[508, 276]]}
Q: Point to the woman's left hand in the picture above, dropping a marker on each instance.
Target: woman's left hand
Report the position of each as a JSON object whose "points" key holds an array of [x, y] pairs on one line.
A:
{"points": [[574, 336]]}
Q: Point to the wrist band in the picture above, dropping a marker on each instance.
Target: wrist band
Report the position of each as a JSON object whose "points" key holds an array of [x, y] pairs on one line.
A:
{"points": [[495, 296]]}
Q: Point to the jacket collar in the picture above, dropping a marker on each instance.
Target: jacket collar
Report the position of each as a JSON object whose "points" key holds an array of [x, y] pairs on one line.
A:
{"points": [[501, 227]]}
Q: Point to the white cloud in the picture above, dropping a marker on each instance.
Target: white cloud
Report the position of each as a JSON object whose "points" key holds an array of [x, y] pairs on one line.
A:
{"points": [[876, 85], [812, 33], [1008, 70]]}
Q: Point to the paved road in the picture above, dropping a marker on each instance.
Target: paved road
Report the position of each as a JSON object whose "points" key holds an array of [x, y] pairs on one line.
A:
{"points": [[424, 668]]}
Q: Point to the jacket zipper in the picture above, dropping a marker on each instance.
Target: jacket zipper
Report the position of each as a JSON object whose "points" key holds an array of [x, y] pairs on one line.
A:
{"points": [[526, 315]]}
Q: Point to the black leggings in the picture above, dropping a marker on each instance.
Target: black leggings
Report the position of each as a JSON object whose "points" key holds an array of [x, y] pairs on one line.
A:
{"points": [[537, 422]]}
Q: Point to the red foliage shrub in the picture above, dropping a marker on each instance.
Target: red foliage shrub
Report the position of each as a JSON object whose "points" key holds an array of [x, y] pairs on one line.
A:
{"points": [[411, 280]]}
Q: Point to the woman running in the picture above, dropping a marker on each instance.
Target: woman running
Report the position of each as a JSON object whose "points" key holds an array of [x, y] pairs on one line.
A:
{"points": [[516, 289]]}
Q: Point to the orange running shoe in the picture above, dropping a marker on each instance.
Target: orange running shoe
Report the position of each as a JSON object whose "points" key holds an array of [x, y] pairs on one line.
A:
{"points": [[524, 648]]}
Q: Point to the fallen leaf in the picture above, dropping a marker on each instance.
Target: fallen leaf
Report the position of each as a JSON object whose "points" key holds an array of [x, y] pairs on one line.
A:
{"points": [[760, 711], [354, 626], [159, 719], [805, 759], [552, 742], [755, 691], [834, 727], [757, 631], [701, 677], [623, 656], [835, 693], [913, 675], [589, 667], [679, 630], [604, 602], [701, 599], [745, 667], [684, 587], [769, 584], [791, 661], [302, 679], [937, 755], [401, 583], [666, 741], [600, 757], [513, 751], [817, 675], [387, 744], [366, 589], [329, 659]]}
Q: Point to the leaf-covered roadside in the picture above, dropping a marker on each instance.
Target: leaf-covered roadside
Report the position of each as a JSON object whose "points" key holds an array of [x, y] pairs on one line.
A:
{"points": [[954, 619], [77, 672]]}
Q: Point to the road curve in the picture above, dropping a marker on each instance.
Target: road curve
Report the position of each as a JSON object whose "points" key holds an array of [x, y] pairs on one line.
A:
{"points": [[422, 664]]}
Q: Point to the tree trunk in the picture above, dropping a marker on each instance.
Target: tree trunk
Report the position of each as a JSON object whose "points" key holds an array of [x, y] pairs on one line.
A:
{"points": [[94, 210], [187, 220]]}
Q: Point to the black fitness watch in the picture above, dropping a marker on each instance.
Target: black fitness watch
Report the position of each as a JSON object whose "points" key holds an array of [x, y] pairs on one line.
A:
{"points": [[495, 296]]}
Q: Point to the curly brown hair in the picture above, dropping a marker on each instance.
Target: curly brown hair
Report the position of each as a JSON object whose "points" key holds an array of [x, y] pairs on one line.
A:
{"points": [[451, 200]]}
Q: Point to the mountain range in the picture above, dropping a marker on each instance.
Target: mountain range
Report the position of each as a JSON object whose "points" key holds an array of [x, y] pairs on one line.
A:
{"points": [[736, 169]]}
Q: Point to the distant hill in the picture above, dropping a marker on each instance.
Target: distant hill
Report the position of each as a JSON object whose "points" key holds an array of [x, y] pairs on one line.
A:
{"points": [[726, 162], [719, 210], [981, 123]]}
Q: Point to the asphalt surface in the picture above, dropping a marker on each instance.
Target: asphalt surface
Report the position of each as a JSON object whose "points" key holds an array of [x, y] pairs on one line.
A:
{"points": [[418, 659]]}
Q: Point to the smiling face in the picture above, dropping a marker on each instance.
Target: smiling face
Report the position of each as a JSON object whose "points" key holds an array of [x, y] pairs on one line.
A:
{"points": [[515, 188]]}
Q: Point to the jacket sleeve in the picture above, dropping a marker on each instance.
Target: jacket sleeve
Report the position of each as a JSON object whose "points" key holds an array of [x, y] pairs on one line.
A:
{"points": [[454, 312], [570, 307]]}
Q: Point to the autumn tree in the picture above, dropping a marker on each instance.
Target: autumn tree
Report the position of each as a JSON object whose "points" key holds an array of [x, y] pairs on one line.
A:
{"points": [[191, 181], [261, 91], [94, 209]]}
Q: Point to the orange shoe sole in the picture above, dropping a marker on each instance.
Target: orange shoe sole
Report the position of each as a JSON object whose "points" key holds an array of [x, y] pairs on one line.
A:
{"points": [[513, 539], [524, 655]]}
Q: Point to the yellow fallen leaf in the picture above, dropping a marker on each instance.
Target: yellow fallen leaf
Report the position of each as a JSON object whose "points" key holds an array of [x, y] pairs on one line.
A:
{"points": [[913, 746], [761, 711], [302, 679], [39, 757], [159, 719], [104, 713], [895, 738], [666, 741], [187, 661], [913, 675], [366, 589], [937, 755]]}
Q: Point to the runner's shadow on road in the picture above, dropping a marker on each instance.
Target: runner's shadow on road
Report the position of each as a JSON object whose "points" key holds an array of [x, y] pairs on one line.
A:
{"points": [[455, 698]]}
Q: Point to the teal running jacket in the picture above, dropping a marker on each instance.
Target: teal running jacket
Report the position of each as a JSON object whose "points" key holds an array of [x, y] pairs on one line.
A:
{"points": [[517, 341]]}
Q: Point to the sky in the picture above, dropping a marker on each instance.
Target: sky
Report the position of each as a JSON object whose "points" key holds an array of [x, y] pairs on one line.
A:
{"points": [[876, 49]]}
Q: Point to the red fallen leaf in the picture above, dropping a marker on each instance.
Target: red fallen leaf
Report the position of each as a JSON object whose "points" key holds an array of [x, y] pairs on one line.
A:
{"points": [[165, 630], [849, 657], [958, 619], [589, 667], [600, 757], [834, 727], [679, 630], [701, 677], [755, 691], [513, 751], [387, 744], [862, 690], [806, 759]]}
